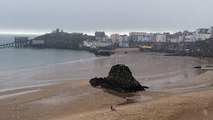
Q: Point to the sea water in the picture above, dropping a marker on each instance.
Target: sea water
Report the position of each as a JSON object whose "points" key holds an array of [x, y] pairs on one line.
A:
{"points": [[19, 58], [16, 62]]}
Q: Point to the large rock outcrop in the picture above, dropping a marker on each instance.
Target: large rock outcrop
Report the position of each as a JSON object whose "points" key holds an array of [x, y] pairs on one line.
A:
{"points": [[119, 79]]}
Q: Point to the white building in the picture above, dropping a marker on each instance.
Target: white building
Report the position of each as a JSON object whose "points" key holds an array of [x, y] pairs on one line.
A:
{"points": [[100, 36], [160, 38], [202, 34], [174, 40], [136, 36], [181, 38], [96, 44], [189, 38], [146, 37], [123, 41], [141, 37]]}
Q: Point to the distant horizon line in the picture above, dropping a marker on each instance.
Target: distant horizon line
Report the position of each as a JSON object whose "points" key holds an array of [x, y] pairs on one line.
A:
{"points": [[88, 33]]}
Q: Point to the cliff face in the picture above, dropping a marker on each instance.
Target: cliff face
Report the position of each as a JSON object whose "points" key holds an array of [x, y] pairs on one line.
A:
{"points": [[119, 79]]}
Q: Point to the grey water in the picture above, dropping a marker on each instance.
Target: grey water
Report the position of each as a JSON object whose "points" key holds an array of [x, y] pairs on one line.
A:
{"points": [[12, 59]]}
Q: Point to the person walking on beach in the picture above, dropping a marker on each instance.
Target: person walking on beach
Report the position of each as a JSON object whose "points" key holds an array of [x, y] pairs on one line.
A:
{"points": [[113, 108]]}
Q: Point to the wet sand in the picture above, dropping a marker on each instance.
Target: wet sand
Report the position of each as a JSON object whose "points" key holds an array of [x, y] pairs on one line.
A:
{"points": [[189, 106], [187, 90], [64, 99]]}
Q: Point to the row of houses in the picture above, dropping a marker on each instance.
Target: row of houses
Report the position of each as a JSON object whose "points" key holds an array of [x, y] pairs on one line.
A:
{"points": [[102, 40], [122, 40], [186, 36]]}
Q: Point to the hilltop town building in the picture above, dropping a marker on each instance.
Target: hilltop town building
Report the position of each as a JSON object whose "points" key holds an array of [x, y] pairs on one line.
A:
{"points": [[202, 34], [96, 44], [100, 36], [123, 41], [135, 36], [189, 38], [160, 37], [141, 37], [115, 38], [173, 39]]}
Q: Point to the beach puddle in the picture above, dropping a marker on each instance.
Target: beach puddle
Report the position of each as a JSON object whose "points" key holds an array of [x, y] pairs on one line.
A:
{"points": [[58, 100], [130, 97], [135, 99], [17, 94], [158, 82], [179, 89], [207, 67]]}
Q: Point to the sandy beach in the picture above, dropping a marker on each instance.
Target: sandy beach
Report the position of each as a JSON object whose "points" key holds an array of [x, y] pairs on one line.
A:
{"points": [[179, 92]]}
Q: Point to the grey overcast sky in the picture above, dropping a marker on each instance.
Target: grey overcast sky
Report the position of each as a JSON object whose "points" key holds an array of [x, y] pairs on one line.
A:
{"points": [[108, 15]]}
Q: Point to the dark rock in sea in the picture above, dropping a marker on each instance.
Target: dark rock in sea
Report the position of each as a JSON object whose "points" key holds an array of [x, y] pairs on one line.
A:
{"points": [[119, 79], [103, 53]]}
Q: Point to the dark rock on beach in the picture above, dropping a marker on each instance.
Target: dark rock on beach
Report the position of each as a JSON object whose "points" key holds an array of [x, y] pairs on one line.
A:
{"points": [[119, 79]]}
